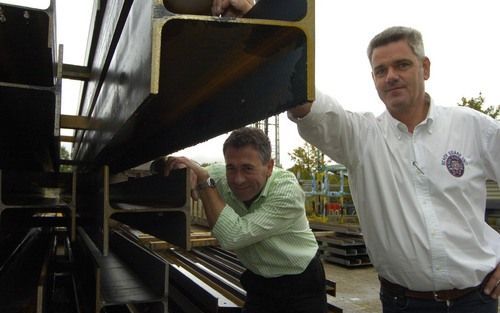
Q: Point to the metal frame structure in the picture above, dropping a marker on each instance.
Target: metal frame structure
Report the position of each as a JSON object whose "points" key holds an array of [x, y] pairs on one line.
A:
{"points": [[155, 82]]}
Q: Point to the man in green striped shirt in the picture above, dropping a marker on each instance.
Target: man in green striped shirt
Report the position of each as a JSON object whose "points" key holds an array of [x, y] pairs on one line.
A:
{"points": [[257, 211]]}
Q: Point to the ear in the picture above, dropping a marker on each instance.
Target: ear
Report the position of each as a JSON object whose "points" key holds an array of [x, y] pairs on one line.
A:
{"points": [[426, 63], [270, 166]]}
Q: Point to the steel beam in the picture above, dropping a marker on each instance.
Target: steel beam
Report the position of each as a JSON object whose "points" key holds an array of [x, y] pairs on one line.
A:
{"points": [[177, 80], [156, 205], [29, 89]]}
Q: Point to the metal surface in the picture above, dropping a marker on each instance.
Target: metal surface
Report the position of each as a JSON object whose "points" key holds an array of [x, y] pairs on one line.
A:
{"points": [[29, 89], [152, 270], [33, 189], [20, 276], [157, 205], [76, 72], [130, 274], [33, 199], [194, 295], [75, 122], [28, 50], [218, 273], [176, 80], [27, 118]]}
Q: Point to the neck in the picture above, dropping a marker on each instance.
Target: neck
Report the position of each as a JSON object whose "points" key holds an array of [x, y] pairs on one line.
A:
{"points": [[412, 118]]}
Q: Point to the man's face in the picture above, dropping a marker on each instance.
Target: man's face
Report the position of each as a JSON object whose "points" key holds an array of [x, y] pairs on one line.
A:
{"points": [[246, 175], [399, 77]]}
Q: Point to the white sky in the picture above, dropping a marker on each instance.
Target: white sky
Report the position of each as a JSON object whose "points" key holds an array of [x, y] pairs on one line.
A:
{"points": [[461, 40]]}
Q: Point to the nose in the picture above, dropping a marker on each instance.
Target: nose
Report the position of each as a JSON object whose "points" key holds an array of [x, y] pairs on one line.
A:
{"points": [[392, 75], [238, 178]]}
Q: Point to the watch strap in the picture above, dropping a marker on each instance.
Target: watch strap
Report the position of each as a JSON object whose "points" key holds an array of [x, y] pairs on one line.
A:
{"points": [[209, 183]]}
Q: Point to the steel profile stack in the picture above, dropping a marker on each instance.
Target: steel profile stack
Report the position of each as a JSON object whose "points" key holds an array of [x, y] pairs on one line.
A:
{"points": [[29, 89], [154, 204], [161, 81], [156, 81], [31, 187]]}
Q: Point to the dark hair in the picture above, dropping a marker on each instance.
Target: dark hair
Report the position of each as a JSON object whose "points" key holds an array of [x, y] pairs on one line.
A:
{"points": [[252, 136], [397, 33]]}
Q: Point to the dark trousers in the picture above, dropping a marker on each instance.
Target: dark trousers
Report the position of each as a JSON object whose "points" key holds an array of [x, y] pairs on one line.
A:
{"points": [[301, 293], [474, 302]]}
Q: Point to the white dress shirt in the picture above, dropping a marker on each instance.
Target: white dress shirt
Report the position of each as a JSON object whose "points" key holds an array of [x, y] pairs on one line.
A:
{"points": [[420, 197]]}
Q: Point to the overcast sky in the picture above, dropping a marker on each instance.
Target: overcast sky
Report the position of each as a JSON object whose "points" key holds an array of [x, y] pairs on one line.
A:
{"points": [[461, 40], [460, 37]]}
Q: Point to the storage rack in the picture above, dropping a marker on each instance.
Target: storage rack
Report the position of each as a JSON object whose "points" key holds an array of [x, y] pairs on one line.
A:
{"points": [[342, 244]]}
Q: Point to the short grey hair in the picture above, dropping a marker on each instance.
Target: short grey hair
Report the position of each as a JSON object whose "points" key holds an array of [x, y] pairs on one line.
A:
{"points": [[250, 136], [396, 33]]}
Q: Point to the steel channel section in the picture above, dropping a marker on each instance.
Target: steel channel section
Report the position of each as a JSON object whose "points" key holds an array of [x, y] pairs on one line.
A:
{"points": [[187, 290], [110, 17], [219, 263], [226, 255], [130, 274], [20, 276], [26, 196], [89, 203], [29, 89], [28, 40], [176, 80], [211, 278], [126, 275], [157, 205], [88, 272], [32, 189], [149, 267]]}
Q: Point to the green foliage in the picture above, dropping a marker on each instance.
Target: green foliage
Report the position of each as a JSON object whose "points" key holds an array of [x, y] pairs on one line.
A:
{"points": [[308, 159], [64, 155], [477, 104]]}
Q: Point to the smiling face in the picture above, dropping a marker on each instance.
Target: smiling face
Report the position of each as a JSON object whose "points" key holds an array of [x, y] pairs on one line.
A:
{"points": [[399, 77], [246, 173]]}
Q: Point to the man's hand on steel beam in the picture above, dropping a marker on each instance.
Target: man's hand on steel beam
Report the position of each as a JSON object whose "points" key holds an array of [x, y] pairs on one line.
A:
{"points": [[231, 8]]}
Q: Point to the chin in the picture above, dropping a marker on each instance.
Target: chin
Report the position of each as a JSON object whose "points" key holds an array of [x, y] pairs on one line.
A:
{"points": [[245, 197], [395, 105]]}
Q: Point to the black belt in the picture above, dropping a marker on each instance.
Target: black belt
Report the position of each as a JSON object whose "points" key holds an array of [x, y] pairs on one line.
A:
{"points": [[441, 295]]}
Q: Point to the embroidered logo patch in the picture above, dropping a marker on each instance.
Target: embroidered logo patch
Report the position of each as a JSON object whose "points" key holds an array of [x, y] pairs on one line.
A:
{"points": [[454, 162]]}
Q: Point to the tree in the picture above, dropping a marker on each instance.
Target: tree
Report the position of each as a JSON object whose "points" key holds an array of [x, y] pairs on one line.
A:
{"points": [[477, 104], [308, 159], [64, 155]]}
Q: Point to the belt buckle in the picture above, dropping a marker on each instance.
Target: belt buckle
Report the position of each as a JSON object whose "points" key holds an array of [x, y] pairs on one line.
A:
{"points": [[438, 299]]}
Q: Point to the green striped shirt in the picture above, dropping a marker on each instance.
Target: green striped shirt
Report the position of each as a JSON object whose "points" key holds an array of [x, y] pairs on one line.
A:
{"points": [[272, 237]]}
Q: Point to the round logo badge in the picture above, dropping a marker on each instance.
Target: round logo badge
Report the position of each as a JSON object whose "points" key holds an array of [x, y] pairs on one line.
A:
{"points": [[455, 165]]}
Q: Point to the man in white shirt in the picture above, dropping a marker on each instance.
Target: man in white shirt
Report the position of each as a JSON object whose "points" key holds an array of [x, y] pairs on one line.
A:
{"points": [[417, 175]]}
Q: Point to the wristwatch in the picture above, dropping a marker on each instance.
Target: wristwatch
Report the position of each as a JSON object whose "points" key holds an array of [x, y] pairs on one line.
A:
{"points": [[209, 183]]}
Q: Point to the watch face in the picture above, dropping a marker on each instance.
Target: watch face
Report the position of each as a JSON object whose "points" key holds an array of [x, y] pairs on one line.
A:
{"points": [[209, 183]]}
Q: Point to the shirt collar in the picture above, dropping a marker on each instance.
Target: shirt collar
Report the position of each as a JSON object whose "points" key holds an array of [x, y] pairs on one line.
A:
{"points": [[400, 128]]}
